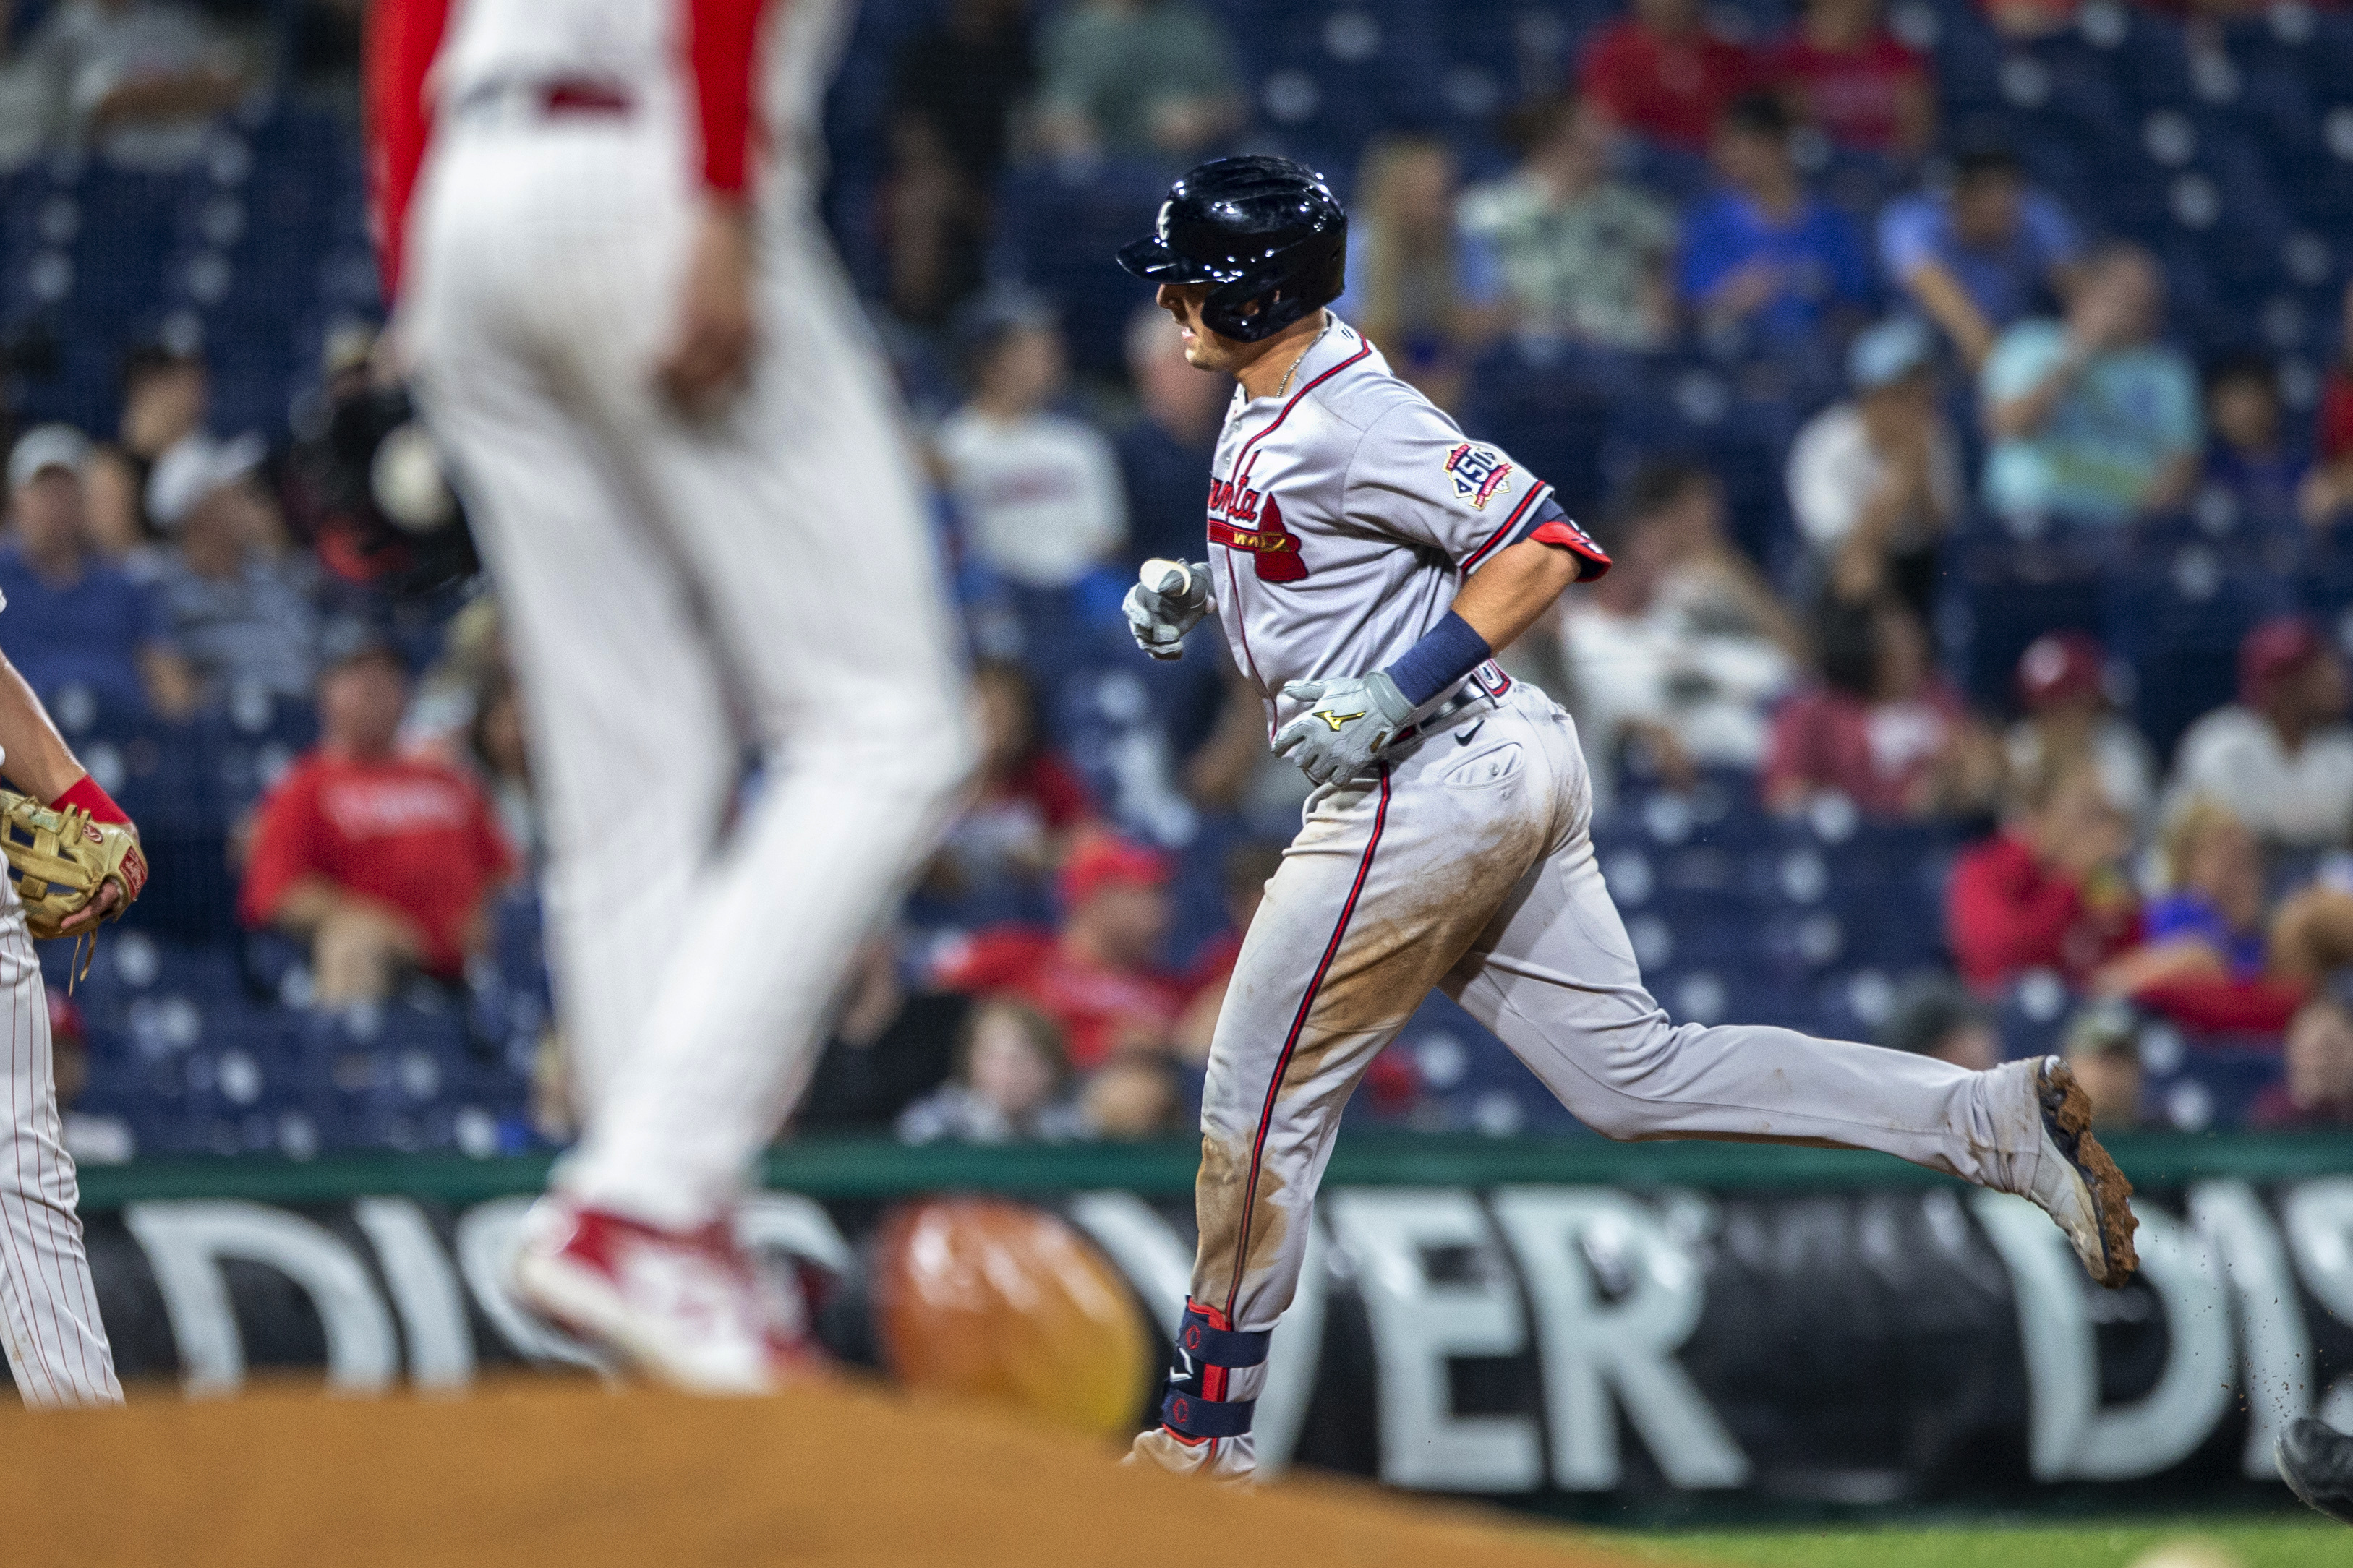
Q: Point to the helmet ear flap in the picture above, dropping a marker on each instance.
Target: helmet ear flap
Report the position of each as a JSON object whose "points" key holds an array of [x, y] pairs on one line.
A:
{"points": [[1229, 311], [1283, 288]]}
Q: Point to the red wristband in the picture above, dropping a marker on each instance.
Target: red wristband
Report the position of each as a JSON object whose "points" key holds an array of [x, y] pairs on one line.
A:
{"points": [[90, 797]]}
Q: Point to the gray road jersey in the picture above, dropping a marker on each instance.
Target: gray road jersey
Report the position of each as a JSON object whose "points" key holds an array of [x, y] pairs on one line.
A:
{"points": [[1344, 517]]}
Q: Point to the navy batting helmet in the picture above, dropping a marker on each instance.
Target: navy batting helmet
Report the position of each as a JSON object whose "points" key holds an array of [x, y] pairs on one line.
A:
{"points": [[1267, 232]]}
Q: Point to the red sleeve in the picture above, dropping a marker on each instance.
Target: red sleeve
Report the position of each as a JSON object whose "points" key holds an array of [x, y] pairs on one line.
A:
{"points": [[2226, 1006], [1551, 525], [1997, 924], [286, 846], [403, 38], [2336, 416], [721, 39]]}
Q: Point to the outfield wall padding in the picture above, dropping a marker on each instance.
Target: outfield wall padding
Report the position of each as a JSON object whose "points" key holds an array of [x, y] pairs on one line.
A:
{"points": [[1543, 1321]]}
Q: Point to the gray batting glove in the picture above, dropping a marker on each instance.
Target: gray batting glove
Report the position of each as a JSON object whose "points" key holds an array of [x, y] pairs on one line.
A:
{"points": [[1169, 600], [1346, 724]]}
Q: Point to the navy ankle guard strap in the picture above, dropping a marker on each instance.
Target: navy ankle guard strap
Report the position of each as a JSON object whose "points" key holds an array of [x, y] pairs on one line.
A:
{"points": [[1209, 1345], [1189, 1416]]}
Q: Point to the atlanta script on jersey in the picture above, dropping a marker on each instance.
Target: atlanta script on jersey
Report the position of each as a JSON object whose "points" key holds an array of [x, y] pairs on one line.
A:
{"points": [[1312, 493]]}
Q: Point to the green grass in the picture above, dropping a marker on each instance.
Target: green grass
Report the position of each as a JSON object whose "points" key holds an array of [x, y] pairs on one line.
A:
{"points": [[2261, 1543]]}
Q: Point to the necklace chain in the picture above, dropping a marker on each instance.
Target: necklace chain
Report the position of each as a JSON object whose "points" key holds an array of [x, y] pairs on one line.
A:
{"points": [[1302, 356]]}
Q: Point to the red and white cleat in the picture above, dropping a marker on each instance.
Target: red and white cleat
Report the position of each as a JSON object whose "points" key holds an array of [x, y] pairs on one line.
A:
{"points": [[681, 1307]]}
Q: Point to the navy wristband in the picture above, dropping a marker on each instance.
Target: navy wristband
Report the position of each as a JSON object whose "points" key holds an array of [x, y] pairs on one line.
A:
{"points": [[1446, 653]]}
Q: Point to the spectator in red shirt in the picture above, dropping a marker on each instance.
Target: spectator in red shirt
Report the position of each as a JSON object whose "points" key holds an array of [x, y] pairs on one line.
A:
{"points": [[1882, 728], [2048, 890], [382, 863], [1661, 73], [1842, 72], [2327, 493], [1099, 977]]}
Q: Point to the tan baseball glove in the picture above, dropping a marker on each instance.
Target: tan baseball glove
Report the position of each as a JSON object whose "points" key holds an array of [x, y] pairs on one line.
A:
{"points": [[60, 861]]}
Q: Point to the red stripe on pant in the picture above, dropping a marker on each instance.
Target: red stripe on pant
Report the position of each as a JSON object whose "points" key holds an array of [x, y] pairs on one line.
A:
{"points": [[1291, 1044]]}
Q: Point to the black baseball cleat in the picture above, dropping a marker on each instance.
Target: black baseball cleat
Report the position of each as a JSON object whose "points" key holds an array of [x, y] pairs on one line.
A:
{"points": [[2316, 1462]]}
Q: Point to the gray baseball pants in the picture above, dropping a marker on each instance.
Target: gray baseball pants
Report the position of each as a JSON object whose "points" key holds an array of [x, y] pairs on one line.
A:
{"points": [[1468, 866]]}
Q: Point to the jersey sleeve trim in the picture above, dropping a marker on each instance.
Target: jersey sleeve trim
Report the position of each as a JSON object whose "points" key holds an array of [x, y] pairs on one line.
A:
{"points": [[1527, 508], [1552, 526], [403, 38]]}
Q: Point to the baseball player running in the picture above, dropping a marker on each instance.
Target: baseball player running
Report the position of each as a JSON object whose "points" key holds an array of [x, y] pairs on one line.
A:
{"points": [[695, 497], [1366, 559]]}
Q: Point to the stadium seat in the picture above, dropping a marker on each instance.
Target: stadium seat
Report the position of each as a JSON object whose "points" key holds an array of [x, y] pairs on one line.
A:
{"points": [[2177, 617], [2228, 149], [1061, 227]]}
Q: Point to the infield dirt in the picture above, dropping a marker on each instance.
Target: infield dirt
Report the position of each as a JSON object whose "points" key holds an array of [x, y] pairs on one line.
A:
{"points": [[541, 1472]]}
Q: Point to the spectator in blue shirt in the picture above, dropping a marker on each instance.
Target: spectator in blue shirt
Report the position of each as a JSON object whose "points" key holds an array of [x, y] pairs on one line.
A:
{"points": [[1979, 258], [73, 619], [2212, 872], [1763, 250], [2252, 471], [2091, 418]]}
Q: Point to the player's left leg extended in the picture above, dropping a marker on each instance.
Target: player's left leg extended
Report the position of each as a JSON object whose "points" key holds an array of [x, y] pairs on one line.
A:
{"points": [[1555, 978], [56, 1346], [1386, 885]]}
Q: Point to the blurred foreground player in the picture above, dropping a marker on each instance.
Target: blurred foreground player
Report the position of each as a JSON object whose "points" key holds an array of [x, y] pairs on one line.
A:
{"points": [[692, 487], [1367, 560], [58, 1352], [2316, 1461]]}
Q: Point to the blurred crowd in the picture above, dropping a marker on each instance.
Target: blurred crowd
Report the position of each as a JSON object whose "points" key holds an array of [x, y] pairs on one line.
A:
{"points": [[1970, 359], [141, 82]]}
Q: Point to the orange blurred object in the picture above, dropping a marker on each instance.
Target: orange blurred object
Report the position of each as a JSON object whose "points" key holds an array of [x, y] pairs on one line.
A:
{"points": [[1000, 1301]]}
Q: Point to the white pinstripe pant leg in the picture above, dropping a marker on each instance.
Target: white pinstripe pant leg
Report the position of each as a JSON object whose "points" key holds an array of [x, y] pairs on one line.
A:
{"points": [[633, 756], [671, 576], [56, 1346], [808, 532]]}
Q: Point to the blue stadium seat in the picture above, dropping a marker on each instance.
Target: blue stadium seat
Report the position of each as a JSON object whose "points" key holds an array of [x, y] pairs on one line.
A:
{"points": [[1330, 78], [1059, 229], [2207, 1082], [1535, 399], [2177, 617], [2236, 167]]}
